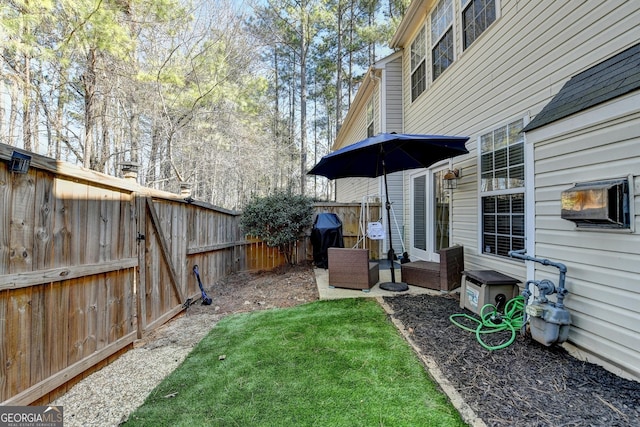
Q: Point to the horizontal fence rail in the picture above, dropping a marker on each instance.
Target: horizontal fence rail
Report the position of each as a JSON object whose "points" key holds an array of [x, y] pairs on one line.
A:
{"points": [[89, 263]]}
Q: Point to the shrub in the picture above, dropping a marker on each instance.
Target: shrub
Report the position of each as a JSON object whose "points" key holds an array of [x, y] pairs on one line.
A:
{"points": [[279, 220]]}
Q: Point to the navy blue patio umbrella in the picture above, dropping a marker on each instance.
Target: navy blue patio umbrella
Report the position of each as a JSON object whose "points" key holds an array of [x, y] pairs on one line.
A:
{"points": [[386, 153]]}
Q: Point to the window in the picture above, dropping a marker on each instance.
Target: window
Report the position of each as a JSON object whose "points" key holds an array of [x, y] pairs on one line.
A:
{"points": [[477, 15], [442, 37], [370, 119], [418, 70], [502, 189]]}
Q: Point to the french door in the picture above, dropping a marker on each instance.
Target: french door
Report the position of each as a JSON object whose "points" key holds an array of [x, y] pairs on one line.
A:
{"points": [[430, 208]]}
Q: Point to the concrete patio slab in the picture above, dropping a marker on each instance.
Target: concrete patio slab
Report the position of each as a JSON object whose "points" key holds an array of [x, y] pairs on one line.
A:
{"points": [[327, 292]]}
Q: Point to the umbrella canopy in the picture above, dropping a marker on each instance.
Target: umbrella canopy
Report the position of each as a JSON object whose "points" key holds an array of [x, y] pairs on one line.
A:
{"points": [[386, 153]]}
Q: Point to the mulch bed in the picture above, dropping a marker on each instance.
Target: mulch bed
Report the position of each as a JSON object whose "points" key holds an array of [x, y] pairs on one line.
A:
{"points": [[525, 384]]}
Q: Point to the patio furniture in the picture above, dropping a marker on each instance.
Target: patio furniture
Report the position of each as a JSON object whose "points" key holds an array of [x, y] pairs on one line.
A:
{"points": [[351, 268], [444, 275]]}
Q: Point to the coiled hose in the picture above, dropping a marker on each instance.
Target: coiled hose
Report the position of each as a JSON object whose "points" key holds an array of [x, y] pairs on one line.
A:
{"points": [[491, 321]]}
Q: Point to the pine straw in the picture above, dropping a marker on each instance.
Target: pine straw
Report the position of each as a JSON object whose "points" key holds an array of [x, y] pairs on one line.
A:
{"points": [[526, 384]]}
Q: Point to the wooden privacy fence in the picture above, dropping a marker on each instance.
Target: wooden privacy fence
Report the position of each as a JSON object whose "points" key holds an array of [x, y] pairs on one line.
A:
{"points": [[89, 263]]}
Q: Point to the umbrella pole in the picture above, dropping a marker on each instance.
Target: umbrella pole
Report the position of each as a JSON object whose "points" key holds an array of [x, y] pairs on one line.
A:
{"points": [[393, 285]]}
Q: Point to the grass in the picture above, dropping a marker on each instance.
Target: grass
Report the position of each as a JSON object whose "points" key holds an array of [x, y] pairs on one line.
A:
{"points": [[327, 363]]}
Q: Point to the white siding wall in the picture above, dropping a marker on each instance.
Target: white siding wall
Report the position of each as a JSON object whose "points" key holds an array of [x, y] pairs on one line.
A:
{"points": [[603, 276], [512, 71]]}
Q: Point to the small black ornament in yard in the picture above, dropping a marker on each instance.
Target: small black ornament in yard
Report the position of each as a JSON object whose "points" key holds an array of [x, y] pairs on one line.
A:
{"points": [[206, 300], [386, 153]]}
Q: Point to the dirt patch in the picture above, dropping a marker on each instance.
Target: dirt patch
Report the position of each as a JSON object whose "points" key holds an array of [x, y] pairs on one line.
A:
{"points": [[283, 287], [525, 384], [286, 286]]}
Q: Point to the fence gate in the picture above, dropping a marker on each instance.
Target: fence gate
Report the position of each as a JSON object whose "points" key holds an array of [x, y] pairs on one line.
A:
{"points": [[161, 258]]}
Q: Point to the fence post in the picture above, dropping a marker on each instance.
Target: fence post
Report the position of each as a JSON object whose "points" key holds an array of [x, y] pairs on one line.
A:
{"points": [[141, 276]]}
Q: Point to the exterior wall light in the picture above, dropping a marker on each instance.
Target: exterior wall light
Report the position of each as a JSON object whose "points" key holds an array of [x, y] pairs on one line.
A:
{"points": [[600, 204], [450, 179], [19, 162]]}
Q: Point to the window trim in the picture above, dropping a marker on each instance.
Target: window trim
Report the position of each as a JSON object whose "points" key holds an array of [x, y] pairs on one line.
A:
{"points": [[524, 189], [464, 4], [422, 35], [436, 40], [370, 119]]}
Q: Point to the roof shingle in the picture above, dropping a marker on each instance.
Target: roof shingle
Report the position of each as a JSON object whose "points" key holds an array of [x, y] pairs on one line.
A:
{"points": [[609, 79]]}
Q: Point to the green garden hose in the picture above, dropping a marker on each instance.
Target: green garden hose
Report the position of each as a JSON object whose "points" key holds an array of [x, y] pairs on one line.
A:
{"points": [[492, 321]]}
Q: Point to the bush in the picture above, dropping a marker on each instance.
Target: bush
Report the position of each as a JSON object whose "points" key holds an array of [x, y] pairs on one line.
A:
{"points": [[279, 220]]}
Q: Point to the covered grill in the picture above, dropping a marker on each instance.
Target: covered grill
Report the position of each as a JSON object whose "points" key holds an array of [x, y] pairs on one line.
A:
{"points": [[326, 233]]}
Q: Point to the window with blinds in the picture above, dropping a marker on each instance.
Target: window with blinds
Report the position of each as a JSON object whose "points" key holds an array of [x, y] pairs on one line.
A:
{"points": [[502, 189]]}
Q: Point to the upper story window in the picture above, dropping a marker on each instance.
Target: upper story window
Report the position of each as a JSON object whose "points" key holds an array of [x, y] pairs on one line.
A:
{"points": [[477, 15], [418, 68], [502, 189], [442, 37], [370, 119]]}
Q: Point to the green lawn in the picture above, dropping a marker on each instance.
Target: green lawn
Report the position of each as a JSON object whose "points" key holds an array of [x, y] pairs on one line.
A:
{"points": [[327, 363]]}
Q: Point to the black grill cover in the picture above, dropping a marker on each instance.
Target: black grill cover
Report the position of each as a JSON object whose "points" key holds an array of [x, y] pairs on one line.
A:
{"points": [[326, 233]]}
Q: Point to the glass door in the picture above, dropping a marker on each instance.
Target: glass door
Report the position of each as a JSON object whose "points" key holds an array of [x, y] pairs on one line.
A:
{"points": [[419, 217], [430, 208], [441, 216]]}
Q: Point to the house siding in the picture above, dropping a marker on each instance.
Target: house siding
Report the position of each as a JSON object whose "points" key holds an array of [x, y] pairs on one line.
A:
{"points": [[392, 84], [395, 182], [512, 71], [393, 96], [353, 189], [539, 45], [387, 98], [603, 277]]}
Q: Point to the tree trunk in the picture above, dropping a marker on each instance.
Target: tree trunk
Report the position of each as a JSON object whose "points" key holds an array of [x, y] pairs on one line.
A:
{"points": [[26, 105], [13, 114], [303, 109], [339, 70], [89, 81]]}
